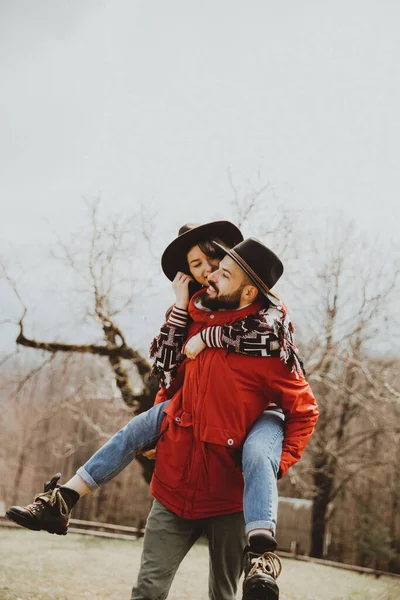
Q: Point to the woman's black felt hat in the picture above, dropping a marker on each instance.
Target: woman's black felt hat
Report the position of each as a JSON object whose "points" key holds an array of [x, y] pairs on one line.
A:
{"points": [[174, 256]]}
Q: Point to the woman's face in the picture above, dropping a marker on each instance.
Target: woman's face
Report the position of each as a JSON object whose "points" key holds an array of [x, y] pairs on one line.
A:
{"points": [[201, 265]]}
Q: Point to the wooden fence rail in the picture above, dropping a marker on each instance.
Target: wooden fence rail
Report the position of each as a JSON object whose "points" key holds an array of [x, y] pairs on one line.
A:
{"points": [[119, 532]]}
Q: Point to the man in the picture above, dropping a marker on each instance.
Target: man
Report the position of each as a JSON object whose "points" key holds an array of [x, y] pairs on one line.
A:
{"points": [[197, 482], [221, 397]]}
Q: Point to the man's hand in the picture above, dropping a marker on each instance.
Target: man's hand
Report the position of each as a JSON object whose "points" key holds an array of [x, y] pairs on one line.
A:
{"points": [[194, 346], [180, 285], [150, 454]]}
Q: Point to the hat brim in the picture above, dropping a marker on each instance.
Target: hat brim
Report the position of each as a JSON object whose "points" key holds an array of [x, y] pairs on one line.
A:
{"points": [[174, 256], [260, 285]]}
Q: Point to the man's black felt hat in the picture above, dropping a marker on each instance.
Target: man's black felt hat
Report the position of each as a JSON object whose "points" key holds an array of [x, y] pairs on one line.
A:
{"points": [[260, 264]]}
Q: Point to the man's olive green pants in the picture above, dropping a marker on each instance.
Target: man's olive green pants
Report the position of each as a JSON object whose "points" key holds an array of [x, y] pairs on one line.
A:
{"points": [[168, 539]]}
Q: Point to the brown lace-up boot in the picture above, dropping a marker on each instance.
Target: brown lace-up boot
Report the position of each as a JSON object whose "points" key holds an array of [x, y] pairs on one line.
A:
{"points": [[261, 568], [50, 511]]}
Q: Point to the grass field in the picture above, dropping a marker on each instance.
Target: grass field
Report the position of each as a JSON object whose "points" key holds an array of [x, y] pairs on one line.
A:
{"points": [[38, 566]]}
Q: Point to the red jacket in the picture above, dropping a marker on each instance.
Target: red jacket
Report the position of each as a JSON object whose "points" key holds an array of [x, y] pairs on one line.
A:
{"points": [[222, 396]]}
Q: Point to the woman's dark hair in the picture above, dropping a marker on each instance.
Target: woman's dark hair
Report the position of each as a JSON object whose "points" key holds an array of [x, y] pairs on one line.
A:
{"points": [[210, 249]]}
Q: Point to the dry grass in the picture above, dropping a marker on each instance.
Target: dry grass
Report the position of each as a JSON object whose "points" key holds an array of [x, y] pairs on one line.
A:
{"points": [[37, 566]]}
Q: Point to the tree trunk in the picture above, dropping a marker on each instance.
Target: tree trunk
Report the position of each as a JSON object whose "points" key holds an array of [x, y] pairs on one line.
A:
{"points": [[18, 476], [323, 479]]}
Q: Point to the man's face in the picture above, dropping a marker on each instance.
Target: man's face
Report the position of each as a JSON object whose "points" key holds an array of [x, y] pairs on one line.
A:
{"points": [[225, 286]]}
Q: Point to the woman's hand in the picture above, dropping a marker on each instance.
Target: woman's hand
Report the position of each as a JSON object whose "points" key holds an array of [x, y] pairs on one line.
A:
{"points": [[150, 454], [180, 285], [194, 346]]}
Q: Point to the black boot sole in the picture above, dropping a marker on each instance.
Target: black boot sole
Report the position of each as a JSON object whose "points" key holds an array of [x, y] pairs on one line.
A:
{"points": [[260, 590], [35, 525]]}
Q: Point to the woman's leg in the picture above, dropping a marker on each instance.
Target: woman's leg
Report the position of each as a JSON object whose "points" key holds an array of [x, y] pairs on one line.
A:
{"points": [[121, 449], [50, 511], [261, 456]]}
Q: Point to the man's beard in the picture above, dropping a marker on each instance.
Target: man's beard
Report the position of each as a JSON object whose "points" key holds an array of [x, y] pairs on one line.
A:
{"points": [[224, 302]]}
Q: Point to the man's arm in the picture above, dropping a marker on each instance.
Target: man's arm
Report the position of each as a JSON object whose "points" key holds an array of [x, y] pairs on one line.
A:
{"points": [[298, 403]]}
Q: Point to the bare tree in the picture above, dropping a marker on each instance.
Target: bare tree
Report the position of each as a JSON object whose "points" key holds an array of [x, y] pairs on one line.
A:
{"points": [[354, 299], [257, 207], [103, 265]]}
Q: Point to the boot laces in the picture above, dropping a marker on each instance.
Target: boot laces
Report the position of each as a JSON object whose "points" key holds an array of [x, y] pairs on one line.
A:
{"points": [[268, 563], [54, 497]]}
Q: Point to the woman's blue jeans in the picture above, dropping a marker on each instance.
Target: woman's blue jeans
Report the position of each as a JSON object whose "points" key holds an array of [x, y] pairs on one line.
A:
{"points": [[261, 456]]}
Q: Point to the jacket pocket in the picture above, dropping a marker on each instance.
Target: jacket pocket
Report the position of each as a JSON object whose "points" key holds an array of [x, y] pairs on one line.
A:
{"points": [[230, 438], [225, 479], [174, 451]]}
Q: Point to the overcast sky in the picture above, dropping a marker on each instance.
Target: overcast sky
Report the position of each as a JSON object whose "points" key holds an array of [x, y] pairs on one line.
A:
{"points": [[154, 101]]}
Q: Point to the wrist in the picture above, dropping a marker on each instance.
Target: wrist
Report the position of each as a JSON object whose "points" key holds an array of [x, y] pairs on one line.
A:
{"points": [[178, 317], [181, 304], [212, 336]]}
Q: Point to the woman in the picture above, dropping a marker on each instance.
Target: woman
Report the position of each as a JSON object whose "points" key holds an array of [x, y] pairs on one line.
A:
{"points": [[268, 332], [194, 253]]}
